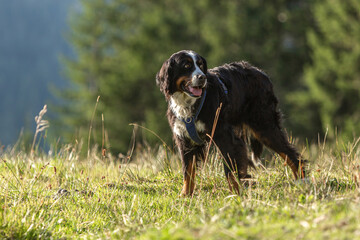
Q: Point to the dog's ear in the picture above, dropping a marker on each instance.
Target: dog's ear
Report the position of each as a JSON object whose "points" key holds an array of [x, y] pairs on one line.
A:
{"points": [[205, 64], [164, 77]]}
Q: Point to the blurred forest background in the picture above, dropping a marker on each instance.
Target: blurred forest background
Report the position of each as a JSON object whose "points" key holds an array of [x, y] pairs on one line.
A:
{"points": [[70, 52]]}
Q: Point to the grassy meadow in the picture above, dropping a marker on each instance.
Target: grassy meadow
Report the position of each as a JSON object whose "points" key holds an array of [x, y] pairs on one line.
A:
{"points": [[61, 195]]}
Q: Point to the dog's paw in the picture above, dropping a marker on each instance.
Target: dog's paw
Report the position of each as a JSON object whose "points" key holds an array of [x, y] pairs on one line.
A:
{"points": [[302, 181], [185, 194]]}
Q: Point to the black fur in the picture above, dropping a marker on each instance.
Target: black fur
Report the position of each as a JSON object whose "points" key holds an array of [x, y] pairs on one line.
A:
{"points": [[249, 108]]}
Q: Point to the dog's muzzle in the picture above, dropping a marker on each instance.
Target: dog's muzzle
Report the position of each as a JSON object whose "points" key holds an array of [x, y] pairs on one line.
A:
{"points": [[194, 88]]}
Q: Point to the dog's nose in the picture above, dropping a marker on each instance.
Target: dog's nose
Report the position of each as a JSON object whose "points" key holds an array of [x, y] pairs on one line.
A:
{"points": [[201, 77], [199, 80]]}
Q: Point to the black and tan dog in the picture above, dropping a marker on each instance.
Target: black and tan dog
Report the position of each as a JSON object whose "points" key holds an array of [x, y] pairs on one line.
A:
{"points": [[246, 94]]}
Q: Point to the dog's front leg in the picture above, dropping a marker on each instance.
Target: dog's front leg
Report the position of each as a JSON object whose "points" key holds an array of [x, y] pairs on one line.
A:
{"points": [[189, 159], [189, 169]]}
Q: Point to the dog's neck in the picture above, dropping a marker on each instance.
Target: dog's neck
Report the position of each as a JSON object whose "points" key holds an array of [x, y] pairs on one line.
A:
{"points": [[182, 105]]}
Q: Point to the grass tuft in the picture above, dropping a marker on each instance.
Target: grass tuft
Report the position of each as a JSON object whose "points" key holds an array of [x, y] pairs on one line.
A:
{"points": [[62, 195]]}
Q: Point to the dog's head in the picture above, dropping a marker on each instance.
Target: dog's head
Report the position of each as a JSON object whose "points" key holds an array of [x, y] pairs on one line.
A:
{"points": [[183, 72]]}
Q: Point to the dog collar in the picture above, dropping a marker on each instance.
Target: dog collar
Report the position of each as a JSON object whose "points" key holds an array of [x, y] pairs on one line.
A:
{"points": [[190, 122]]}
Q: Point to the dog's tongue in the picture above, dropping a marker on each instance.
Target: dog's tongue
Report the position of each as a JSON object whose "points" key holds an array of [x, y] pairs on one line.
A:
{"points": [[195, 91]]}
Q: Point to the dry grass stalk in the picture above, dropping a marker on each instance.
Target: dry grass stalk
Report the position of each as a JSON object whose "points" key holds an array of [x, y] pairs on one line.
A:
{"points": [[41, 125], [91, 125], [217, 114]]}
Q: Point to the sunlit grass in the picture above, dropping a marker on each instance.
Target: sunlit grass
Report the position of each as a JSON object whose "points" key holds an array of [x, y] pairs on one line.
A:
{"points": [[61, 195]]}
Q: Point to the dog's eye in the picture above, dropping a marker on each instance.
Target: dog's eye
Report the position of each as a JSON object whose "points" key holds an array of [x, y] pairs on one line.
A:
{"points": [[187, 65]]}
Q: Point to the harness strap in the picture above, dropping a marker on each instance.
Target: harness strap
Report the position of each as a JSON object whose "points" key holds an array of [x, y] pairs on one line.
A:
{"points": [[223, 85], [190, 122]]}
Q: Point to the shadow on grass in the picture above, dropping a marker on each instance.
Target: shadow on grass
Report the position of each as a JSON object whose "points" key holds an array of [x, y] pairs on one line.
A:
{"points": [[340, 185], [23, 232]]}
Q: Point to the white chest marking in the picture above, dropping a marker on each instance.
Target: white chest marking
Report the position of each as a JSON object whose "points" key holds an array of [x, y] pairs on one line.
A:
{"points": [[181, 105]]}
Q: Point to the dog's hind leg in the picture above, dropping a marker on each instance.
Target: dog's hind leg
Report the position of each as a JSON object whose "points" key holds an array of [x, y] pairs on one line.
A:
{"points": [[276, 139], [236, 162], [256, 147]]}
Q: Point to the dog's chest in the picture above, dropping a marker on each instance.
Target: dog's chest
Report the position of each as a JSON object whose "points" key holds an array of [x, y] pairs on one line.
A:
{"points": [[182, 108], [179, 128]]}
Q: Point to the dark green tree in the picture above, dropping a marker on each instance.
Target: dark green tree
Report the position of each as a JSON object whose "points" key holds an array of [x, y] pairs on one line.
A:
{"points": [[270, 35], [121, 44], [332, 99]]}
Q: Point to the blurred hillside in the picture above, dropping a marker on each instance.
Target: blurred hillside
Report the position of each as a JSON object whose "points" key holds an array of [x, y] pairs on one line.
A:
{"points": [[31, 41]]}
